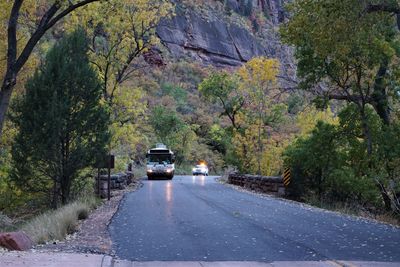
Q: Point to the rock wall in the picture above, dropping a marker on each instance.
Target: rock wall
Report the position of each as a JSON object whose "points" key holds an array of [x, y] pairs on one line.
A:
{"points": [[118, 181], [264, 184], [214, 42], [274, 8], [212, 37]]}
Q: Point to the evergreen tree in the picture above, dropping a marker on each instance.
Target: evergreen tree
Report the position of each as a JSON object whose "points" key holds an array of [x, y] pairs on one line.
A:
{"points": [[63, 127]]}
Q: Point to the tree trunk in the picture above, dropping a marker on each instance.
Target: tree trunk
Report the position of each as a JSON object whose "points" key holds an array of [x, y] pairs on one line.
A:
{"points": [[64, 191], [379, 97], [385, 196], [259, 149], [366, 131], [259, 141], [54, 202], [5, 96], [368, 139], [14, 63]]}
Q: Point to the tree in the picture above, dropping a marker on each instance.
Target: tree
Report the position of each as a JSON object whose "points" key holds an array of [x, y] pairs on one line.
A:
{"points": [[130, 129], [120, 32], [50, 15], [348, 50], [258, 80], [307, 119], [222, 87], [171, 130], [352, 51], [332, 161], [63, 126]]}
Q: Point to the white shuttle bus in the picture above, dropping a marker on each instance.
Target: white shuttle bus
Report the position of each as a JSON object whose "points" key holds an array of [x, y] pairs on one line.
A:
{"points": [[160, 162]]}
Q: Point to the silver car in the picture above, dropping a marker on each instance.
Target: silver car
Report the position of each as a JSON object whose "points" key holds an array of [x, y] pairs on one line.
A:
{"points": [[200, 170]]}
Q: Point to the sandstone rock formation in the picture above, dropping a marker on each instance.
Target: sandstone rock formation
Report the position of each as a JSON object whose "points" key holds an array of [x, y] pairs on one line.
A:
{"points": [[214, 42], [15, 241], [210, 37]]}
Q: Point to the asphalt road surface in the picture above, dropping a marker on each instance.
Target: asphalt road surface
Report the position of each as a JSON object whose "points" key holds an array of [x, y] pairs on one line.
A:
{"points": [[199, 219]]}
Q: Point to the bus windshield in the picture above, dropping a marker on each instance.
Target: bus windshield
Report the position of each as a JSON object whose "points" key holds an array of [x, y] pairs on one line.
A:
{"points": [[159, 158]]}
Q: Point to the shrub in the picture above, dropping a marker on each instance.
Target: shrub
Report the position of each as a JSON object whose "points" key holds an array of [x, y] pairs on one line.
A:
{"points": [[5, 222], [333, 163], [55, 225]]}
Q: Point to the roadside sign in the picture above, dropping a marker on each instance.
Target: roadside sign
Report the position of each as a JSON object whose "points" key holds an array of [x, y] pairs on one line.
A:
{"points": [[286, 177], [107, 161]]}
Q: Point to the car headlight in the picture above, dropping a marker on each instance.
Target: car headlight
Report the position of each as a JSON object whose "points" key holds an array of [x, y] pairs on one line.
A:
{"points": [[149, 170], [193, 169], [169, 170]]}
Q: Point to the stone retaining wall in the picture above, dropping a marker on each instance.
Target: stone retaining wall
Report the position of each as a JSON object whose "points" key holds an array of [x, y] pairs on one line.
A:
{"points": [[264, 184], [119, 181]]}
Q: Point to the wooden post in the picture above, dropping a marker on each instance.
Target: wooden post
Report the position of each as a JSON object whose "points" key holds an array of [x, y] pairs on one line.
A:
{"points": [[98, 183], [109, 178]]}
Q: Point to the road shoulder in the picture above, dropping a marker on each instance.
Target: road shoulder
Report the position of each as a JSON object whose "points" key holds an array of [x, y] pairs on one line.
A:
{"points": [[92, 235]]}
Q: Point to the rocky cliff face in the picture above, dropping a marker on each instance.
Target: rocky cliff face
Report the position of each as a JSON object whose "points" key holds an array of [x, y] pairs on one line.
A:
{"points": [[213, 42], [273, 8], [209, 37]]}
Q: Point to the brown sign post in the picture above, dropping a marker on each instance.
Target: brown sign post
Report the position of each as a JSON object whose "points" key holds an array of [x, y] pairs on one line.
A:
{"points": [[108, 162]]}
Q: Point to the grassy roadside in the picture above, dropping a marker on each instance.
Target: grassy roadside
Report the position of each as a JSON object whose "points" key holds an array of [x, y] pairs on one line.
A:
{"points": [[56, 224], [338, 207], [355, 210]]}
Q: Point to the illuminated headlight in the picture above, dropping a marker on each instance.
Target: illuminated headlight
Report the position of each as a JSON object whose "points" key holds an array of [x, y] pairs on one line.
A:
{"points": [[193, 169], [150, 170], [169, 170]]}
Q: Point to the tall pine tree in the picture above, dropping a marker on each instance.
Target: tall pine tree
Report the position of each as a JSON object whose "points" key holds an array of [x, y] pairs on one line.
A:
{"points": [[63, 126]]}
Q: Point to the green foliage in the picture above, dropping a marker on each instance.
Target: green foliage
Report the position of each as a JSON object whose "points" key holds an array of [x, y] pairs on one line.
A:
{"points": [[222, 88], [294, 103], [171, 130], [245, 98], [61, 121], [353, 51], [165, 122], [332, 35], [309, 157], [333, 162], [180, 96]]}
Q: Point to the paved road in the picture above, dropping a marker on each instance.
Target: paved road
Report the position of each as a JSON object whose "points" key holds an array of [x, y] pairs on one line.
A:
{"points": [[198, 219]]}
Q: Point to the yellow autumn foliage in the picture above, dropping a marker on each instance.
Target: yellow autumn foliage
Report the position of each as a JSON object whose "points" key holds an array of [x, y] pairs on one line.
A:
{"points": [[259, 72], [120, 31], [246, 146], [27, 20], [307, 119], [129, 114]]}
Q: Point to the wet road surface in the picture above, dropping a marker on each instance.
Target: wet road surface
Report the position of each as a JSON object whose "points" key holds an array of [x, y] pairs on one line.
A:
{"points": [[199, 219]]}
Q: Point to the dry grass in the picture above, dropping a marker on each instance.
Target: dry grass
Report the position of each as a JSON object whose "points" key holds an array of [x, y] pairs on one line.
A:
{"points": [[226, 172], [56, 224], [387, 218], [5, 222], [139, 171], [354, 210]]}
